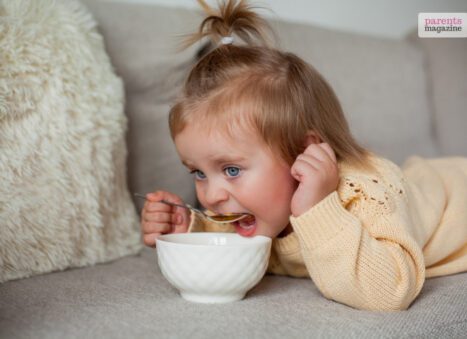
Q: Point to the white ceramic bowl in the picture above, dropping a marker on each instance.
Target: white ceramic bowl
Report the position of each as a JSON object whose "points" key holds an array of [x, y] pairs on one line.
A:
{"points": [[213, 267]]}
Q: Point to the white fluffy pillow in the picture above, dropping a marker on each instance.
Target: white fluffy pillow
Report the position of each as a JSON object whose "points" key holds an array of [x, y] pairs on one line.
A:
{"points": [[63, 192]]}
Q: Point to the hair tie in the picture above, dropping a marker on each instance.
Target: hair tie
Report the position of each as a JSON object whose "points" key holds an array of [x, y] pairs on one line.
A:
{"points": [[227, 40]]}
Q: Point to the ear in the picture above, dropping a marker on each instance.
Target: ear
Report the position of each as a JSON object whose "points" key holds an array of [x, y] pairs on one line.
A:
{"points": [[311, 138]]}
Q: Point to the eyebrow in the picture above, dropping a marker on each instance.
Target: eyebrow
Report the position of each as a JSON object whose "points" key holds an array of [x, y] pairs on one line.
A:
{"points": [[186, 164], [223, 159], [220, 160]]}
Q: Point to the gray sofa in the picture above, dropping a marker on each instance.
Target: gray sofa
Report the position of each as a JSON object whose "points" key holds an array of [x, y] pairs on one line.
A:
{"points": [[402, 97]]}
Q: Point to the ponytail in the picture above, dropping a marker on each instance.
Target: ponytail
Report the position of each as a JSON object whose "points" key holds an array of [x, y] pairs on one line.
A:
{"points": [[234, 19], [248, 84]]}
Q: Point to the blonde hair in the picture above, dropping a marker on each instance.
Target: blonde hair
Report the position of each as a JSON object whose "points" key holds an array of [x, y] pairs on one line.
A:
{"points": [[253, 85]]}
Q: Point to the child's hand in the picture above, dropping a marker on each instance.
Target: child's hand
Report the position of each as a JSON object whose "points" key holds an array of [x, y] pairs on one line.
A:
{"points": [[158, 218], [316, 170]]}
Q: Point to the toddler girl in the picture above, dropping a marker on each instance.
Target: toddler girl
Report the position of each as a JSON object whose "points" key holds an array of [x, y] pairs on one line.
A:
{"points": [[263, 133]]}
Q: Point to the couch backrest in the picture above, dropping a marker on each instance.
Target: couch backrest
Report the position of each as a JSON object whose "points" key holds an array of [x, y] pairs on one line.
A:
{"points": [[446, 65], [142, 43], [383, 86], [381, 83]]}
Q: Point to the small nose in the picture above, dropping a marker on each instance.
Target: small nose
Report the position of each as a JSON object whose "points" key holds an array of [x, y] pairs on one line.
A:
{"points": [[216, 194]]}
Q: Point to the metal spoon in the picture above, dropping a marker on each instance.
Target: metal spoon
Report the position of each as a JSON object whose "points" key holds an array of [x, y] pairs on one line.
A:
{"points": [[219, 218]]}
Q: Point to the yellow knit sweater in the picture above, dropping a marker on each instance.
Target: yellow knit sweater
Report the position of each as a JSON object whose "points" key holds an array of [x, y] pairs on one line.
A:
{"points": [[371, 243]]}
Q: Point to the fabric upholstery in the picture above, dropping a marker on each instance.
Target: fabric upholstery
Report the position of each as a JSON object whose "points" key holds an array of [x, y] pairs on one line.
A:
{"points": [[64, 201], [383, 92], [381, 84], [446, 67], [144, 44], [130, 298]]}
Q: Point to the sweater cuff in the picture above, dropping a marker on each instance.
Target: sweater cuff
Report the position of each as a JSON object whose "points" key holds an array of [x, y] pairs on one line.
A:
{"points": [[322, 222]]}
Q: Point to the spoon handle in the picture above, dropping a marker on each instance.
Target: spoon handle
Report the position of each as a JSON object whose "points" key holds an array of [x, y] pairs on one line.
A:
{"points": [[142, 196], [178, 205], [214, 218]]}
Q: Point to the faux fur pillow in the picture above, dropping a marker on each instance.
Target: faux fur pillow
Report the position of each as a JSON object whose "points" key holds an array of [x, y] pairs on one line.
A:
{"points": [[63, 193]]}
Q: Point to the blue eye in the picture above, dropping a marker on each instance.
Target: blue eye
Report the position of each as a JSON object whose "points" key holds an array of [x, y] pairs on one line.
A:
{"points": [[198, 174], [232, 171]]}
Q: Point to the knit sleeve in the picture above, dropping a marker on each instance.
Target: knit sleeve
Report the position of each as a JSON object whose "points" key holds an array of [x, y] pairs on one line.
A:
{"points": [[200, 224], [358, 248]]}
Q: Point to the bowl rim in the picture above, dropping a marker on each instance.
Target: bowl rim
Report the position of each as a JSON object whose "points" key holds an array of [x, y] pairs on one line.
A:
{"points": [[163, 239]]}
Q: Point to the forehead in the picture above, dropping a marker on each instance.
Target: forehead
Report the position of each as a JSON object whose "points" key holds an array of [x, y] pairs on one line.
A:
{"points": [[198, 143]]}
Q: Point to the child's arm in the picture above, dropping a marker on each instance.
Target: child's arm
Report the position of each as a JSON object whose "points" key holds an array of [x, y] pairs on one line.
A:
{"points": [[356, 244], [360, 251]]}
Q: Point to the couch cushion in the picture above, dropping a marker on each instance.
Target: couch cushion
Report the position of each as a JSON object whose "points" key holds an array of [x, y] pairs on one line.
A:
{"points": [[143, 41], [129, 298], [381, 84], [446, 65], [64, 199]]}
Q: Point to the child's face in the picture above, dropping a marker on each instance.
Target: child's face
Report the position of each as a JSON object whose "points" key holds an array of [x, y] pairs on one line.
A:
{"points": [[239, 174]]}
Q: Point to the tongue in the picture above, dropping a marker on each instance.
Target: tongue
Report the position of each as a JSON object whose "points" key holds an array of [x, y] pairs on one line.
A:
{"points": [[247, 221]]}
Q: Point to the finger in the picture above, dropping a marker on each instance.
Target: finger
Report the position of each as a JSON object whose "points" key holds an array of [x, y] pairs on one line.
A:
{"points": [[153, 204], [320, 166], [153, 227], [173, 198], [318, 152], [170, 197], [150, 239], [163, 195], [172, 219], [302, 167], [157, 207], [311, 160], [180, 214], [155, 196], [329, 151], [158, 217], [176, 219], [181, 222]]}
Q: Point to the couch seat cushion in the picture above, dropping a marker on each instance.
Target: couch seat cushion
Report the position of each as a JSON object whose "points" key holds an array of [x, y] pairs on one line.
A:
{"points": [[129, 298]]}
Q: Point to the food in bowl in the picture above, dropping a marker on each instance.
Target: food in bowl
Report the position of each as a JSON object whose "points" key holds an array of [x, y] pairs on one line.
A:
{"points": [[213, 267]]}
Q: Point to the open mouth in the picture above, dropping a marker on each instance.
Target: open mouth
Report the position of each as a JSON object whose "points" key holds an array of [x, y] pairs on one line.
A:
{"points": [[246, 227]]}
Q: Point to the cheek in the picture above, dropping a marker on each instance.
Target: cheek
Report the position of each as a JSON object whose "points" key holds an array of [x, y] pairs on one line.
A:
{"points": [[282, 196], [200, 194], [284, 185], [277, 193]]}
